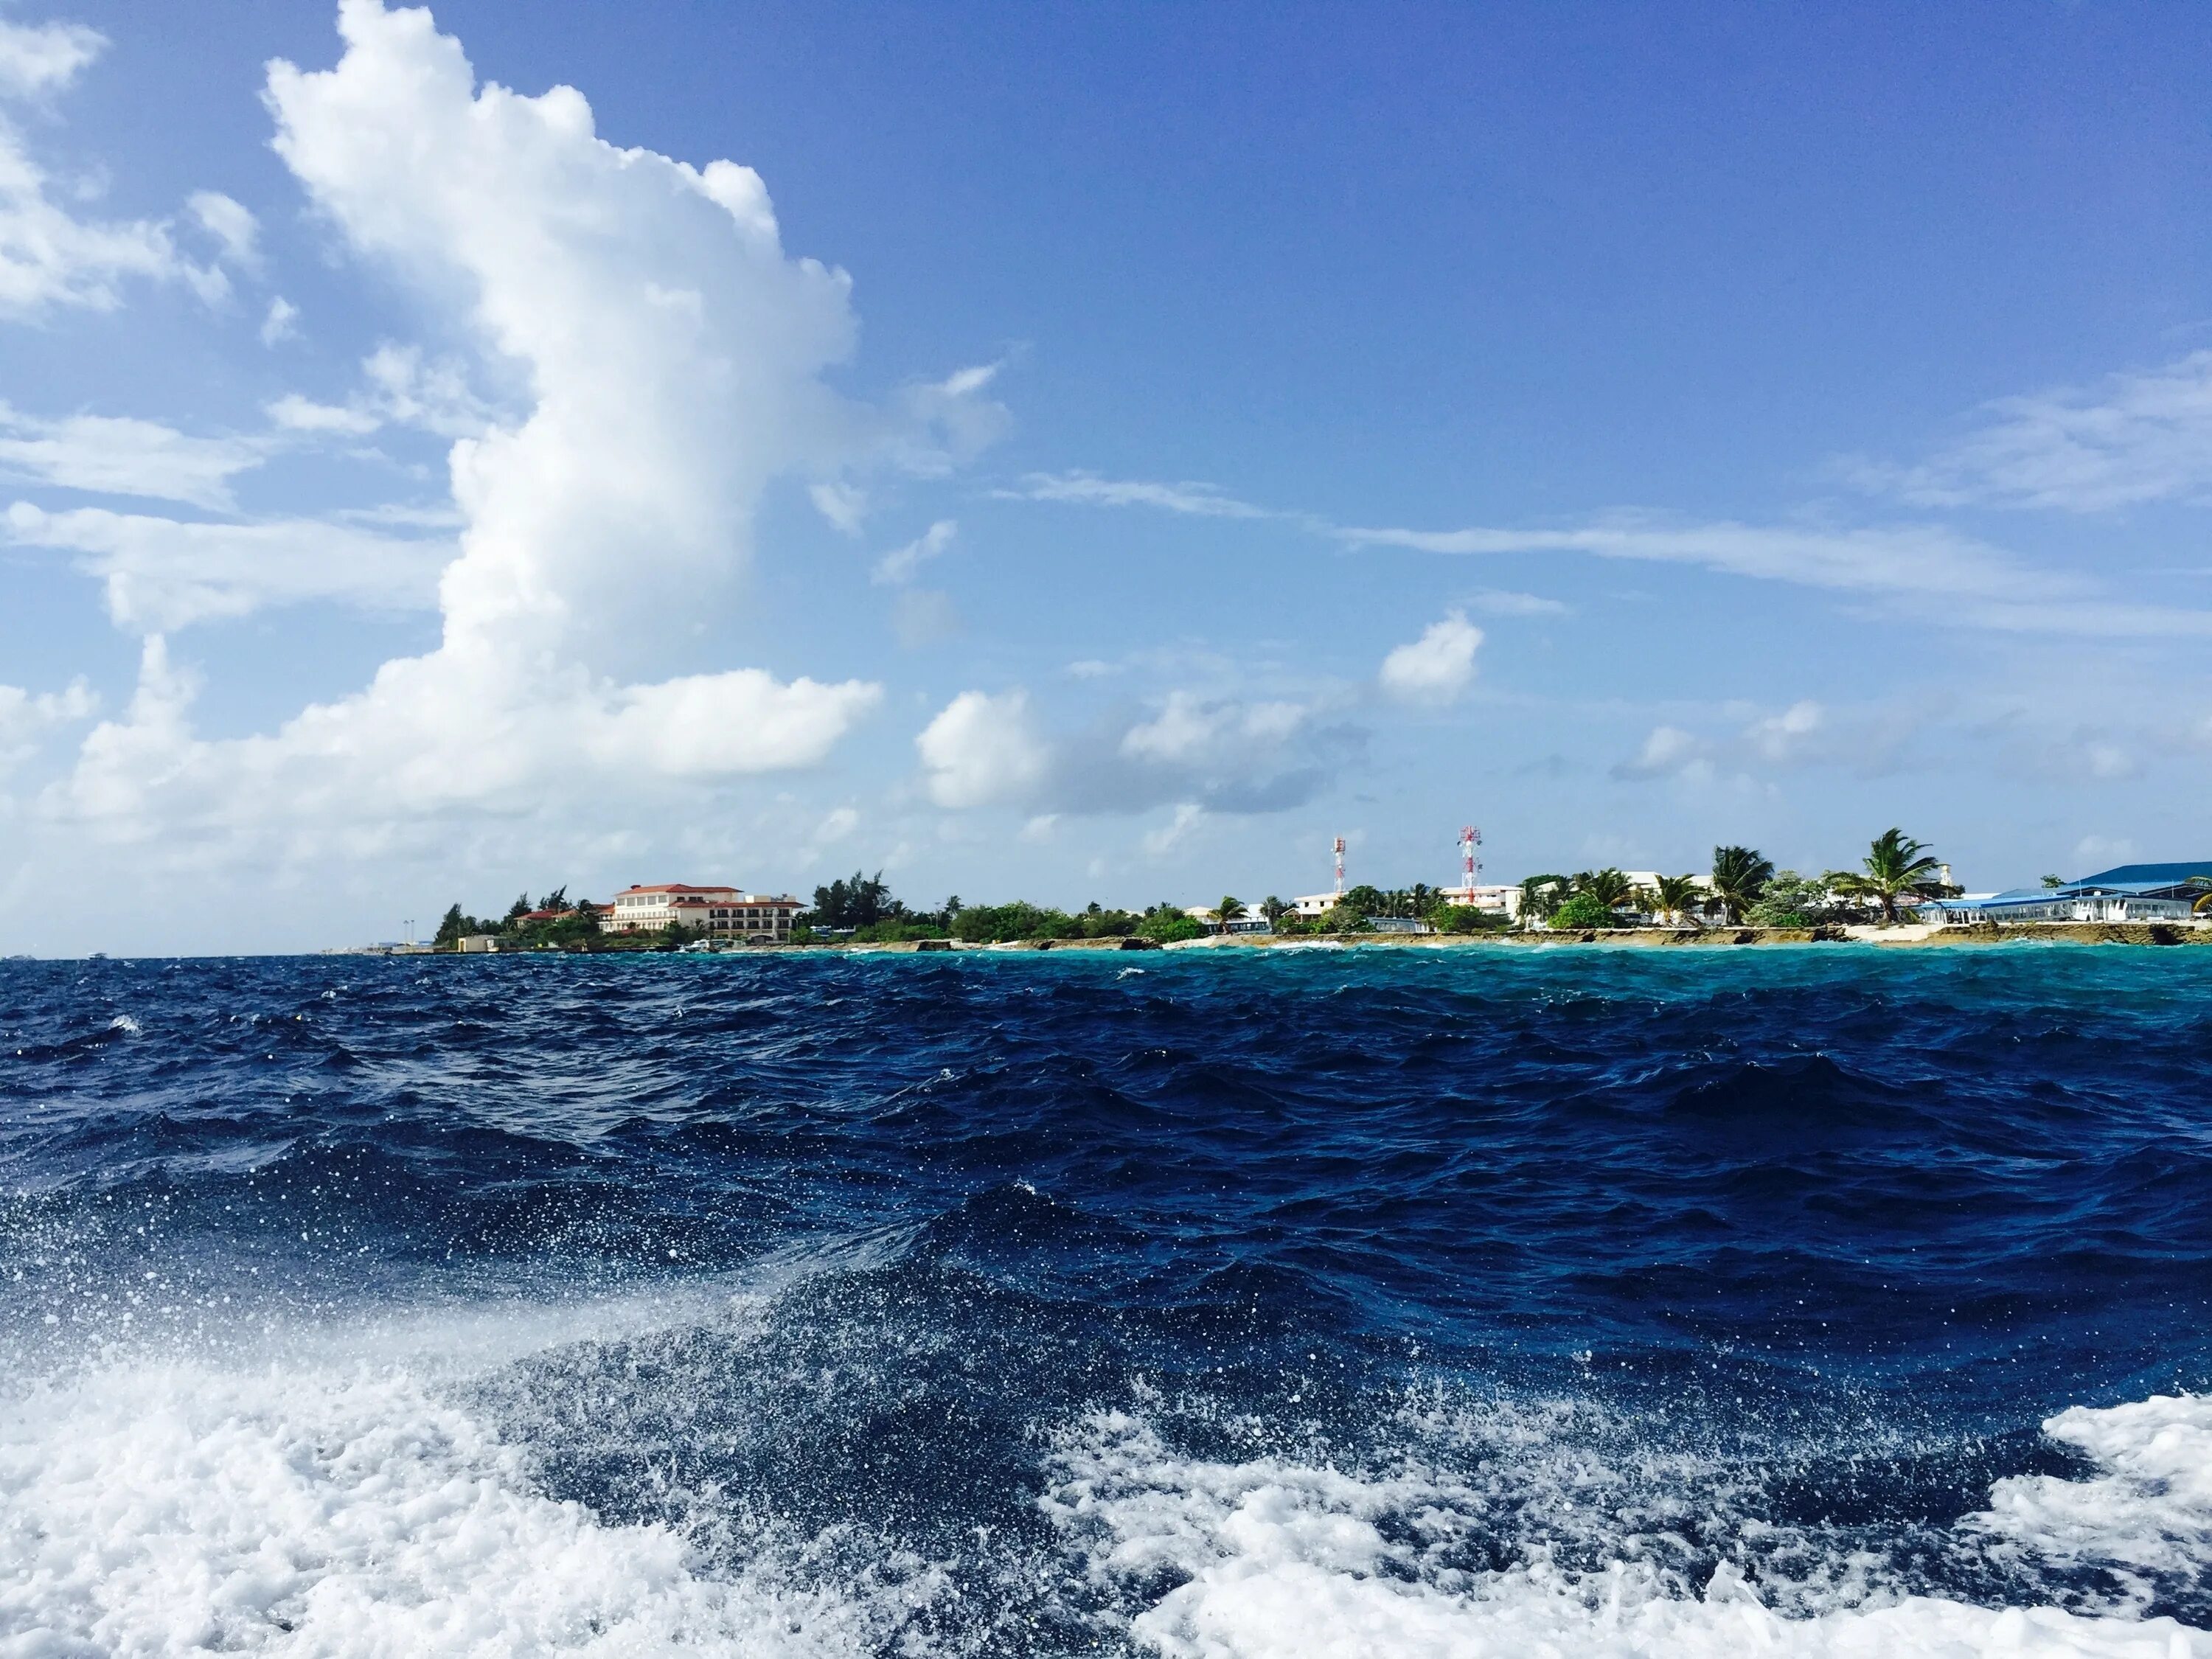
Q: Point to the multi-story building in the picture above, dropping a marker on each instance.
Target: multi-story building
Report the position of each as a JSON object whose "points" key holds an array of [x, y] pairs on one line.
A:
{"points": [[729, 912]]}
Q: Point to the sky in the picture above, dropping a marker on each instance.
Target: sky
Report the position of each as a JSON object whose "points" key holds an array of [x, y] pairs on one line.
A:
{"points": [[1084, 453]]}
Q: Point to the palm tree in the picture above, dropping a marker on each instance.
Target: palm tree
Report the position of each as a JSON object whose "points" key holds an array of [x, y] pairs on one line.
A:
{"points": [[1740, 876], [1674, 895], [1895, 864], [1273, 908], [1607, 886], [1424, 899], [1541, 895], [1228, 911]]}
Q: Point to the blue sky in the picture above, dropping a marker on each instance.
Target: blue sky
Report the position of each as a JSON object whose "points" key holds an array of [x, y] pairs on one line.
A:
{"points": [[1090, 453]]}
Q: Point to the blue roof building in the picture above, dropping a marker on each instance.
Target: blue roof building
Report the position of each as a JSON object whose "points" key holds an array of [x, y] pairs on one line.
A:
{"points": [[2131, 892]]}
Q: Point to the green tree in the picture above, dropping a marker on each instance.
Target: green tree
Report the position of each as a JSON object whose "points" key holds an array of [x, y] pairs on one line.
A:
{"points": [[857, 900], [1541, 895], [2054, 881], [1230, 908], [1273, 909], [1740, 876], [1365, 901], [1674, 895], [520, 908], [1584, 910], [451, 930], [1165, 925], [1895, 864], [1608, 887], [557, 900], [1790, 900], [1448, 918]]}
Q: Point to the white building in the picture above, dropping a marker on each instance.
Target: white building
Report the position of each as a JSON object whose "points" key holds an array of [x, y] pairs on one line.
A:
{"points": [[1491, 901], [729, 911], [1250, 922]]}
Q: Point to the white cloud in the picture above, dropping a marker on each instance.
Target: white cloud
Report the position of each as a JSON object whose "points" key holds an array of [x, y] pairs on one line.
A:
{"points": [[297, 414], [673, 357], [1190, 817], [1668, 751], [48, 256], [282, 322], [1497, 601], [943, 424], [399, 388], [1196, 499], [741, 720], [163, 575], [2105, 850], [2144, 436], [2109, 761], [982, 749], [26, 718], [229, 222], [1787, 736], [1184, 727], [113, 456], [901, 562], [1869, 740], [42, 57], [674, 354], [1911, 561], [1040, 830], [844, 506], [1437, 668], [1193, 731]]}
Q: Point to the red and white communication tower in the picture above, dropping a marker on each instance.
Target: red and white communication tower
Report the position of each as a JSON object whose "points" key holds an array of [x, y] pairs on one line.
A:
{"points": [[1471, 863], [1337, 847]]}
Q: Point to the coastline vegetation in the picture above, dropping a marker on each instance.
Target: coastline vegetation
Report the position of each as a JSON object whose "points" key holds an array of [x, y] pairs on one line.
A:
{"points": [[1742, 887]]}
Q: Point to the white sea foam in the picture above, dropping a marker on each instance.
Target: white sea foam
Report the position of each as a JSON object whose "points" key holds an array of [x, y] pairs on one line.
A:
{"points": [[123, 1024], [174, 1509], [336, 1494], [1280, 1560], [2150, 1505]]}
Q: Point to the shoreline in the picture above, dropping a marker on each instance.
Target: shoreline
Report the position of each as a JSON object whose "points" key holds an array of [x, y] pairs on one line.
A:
{"points": [[1906, 936], [1910, 935]]}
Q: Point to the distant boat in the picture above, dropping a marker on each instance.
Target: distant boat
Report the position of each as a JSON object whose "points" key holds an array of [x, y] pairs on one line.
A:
{"points": [[97, 956]]}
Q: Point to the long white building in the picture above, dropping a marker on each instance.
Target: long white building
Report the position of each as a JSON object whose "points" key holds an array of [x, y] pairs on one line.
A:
{"points": [[729, 911]]}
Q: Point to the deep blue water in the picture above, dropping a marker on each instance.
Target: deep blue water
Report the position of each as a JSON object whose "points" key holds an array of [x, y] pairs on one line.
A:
{"points": [[1778, 1258]]}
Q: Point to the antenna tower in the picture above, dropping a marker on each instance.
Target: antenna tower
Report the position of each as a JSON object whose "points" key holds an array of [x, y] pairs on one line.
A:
{"points": [[1337, 847], [1471, 862]]}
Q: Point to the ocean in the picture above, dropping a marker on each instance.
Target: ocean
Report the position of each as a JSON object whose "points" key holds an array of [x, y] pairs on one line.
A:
{"points": [[1820, 1301]]}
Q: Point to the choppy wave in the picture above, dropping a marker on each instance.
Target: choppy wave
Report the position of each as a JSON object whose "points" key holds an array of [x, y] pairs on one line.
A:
{"points": [[1815, 1305]]}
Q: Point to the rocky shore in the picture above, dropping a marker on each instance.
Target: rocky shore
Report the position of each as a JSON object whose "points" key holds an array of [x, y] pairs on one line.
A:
{"points": [[1908, 935]]}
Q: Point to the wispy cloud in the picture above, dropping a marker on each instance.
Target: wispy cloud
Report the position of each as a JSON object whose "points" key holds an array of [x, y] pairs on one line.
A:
{"points": [[109, 456], [1193, 499], [2130, 438], [1499, 602], [899, 565], [1867, 740], [1913, 560], [162, 575], [1908, 568]]}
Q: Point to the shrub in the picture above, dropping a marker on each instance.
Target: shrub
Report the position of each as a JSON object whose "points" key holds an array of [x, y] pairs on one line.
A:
{"points": [[1166, 926], [1585, 910], [1463, 919]]}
